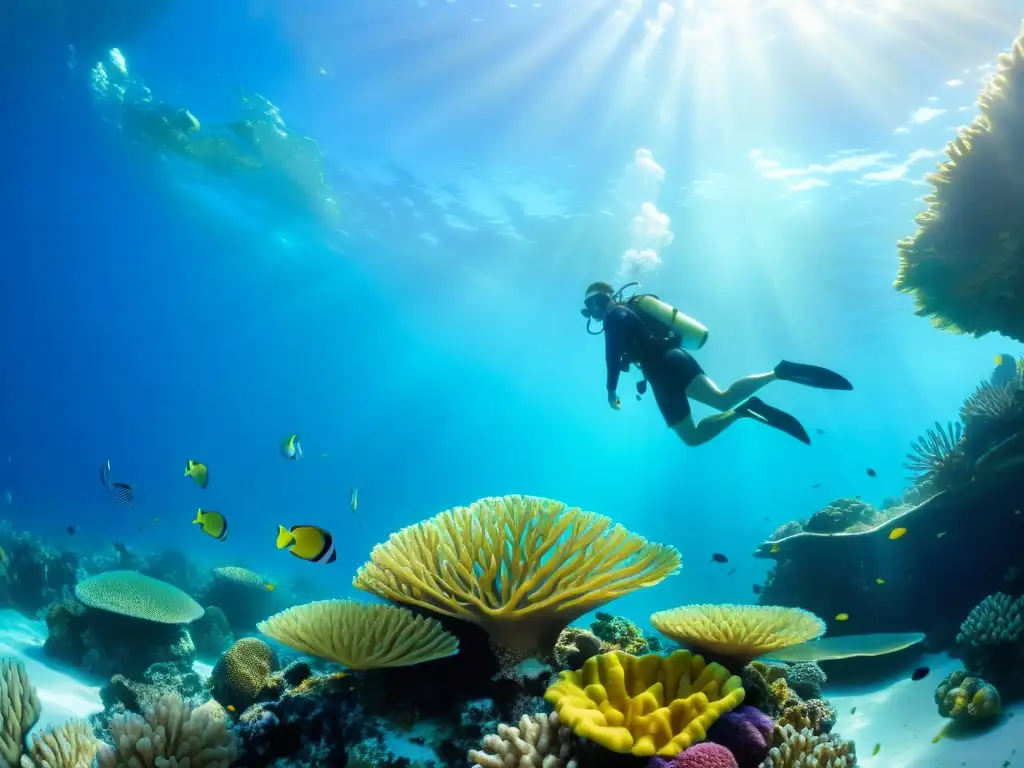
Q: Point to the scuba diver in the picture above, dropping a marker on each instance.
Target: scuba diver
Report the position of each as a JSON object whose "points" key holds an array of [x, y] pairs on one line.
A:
{"points": [[648, 333]]}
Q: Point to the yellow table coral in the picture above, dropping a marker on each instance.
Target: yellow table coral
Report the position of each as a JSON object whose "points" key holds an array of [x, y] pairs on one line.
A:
{"points": [[645, 705]]}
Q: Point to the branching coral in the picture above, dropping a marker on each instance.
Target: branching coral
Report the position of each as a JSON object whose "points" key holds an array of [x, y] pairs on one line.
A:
{"points": [[361, 635], [803, 749], [963, 265], [521, 567], [738, 632], [647, 705], [71, 745], [171, 734], [540, 741], [934, 459], [962, 697]]}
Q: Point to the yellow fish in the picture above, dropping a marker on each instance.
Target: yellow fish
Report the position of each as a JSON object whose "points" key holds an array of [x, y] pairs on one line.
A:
{"points": [[896, 533], [269, 587], [308, 542], [842, 616], [197, 472], [877, 749], [353, 500], [774, 549], [879, 581], [212, 524], [291, 448], [938, 737], [230, 708]]}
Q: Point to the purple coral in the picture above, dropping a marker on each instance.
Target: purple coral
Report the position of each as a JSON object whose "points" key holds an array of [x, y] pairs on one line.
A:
{"points": [[746, 732], [703, 755]]}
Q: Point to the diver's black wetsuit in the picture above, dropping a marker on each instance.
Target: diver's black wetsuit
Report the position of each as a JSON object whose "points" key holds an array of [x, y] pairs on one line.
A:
{"points": [[668, 368]]}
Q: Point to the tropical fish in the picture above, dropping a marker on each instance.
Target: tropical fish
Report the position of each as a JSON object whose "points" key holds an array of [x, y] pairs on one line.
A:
{"points": [[308, 542], [731, 572], [231, 708], [757, 589], [879, 581], [121, 492], [897, 533], [877, 749], [353, 500], [718, 557], [842, 616], [853, 710], [775, 548], [871, 472], [291, 448], [920, 674], [72, 530], [270, 587], [1005, 371], [198, 472], [212, 524], [940, 534], [816, 485]]}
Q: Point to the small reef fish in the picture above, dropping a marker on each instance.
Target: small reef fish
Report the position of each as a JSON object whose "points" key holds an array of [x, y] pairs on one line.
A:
{"points": [[897, 533], [353, 500], [853, 710], [1005, 371], [877, 749], [920, 673], [212, 524], [775, 548], [231, 708], [842, 616], [198, 472], [879, 581], [718, 557], [291, 448], [757, 589], [731, 572], [121, 492], [871, 472], [816, 485], [308, 542], [270, 587], [819, 431], [73, 529]]}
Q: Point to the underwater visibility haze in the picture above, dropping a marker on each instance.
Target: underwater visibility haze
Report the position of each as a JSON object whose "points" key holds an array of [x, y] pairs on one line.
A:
{"points": [[320, 385]]}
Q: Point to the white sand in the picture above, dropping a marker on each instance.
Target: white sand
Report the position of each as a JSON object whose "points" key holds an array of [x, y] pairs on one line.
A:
{"points": [[62, 695], [904, 718]]}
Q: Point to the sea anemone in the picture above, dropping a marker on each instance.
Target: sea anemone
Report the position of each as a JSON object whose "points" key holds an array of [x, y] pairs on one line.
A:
{"points": [[933, 458]]}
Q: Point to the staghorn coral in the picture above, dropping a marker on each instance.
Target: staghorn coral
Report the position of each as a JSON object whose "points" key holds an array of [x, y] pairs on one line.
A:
{"points": [[962, 697], [540, 741], [243, 673], [802, 749], [647, 705], [963, 265], [361, 635], [19, 710], [738, 633], [934, 458], [70, 745], [171, 734], [574, 646], [129, 593], [521, 567]]}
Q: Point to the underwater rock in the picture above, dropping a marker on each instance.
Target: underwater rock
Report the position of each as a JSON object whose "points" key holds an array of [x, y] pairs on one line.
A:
{"points": [[841, 515], [242, 595], [575, 645], [211, 633], [32, 574]]}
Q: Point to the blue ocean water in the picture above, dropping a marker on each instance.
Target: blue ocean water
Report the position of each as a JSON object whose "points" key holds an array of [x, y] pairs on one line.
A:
{"points": [[414, 313]]}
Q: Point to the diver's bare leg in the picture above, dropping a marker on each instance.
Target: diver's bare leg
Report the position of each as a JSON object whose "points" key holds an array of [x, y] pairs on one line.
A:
{"points": [[705, 391], [706, 429]]}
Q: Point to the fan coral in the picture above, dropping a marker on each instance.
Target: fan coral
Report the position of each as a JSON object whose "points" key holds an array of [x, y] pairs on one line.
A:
{"points": [[962, 697], [521, 567], [802, 749], [738, 632], [806, 678], [19, 709], [171, 734], [540, 741], [647, 705], [243, 673], [996, 620], [963, 264], [70, 745], [574, 646], [129, 593], [746, 732], [934, 458], [361, 635]]}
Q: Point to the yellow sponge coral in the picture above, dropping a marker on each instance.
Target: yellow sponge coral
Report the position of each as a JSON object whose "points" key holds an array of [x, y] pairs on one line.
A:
{"points": [[521, 567], [645, 705]]}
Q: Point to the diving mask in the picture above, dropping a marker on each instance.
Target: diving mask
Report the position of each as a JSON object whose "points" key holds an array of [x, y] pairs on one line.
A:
{"points": [[595, 305]]}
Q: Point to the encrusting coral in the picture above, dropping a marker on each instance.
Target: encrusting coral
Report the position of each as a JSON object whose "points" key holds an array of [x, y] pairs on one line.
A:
{"points": [[738, 633], [171, 734], [71, 745], [521, 567], [803, 749], [963, 265], [540, 741], [19, 710], [645, 705], [962, 697]]}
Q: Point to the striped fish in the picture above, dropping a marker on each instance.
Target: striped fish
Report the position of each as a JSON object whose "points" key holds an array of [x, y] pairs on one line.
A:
{"points": [[120, 492]]}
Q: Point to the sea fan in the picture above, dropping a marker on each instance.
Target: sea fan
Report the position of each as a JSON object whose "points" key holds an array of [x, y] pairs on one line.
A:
{"points": [[988, 400], [934, 456]]}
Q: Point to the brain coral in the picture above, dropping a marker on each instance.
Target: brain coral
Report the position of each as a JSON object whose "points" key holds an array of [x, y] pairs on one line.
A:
{"points": [[361, 635], [738, 632], [129, 593], [521, 567], [644, 705], [243, 672]]}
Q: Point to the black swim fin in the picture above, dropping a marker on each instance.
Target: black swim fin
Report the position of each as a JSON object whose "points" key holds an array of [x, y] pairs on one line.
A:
{"points": [[757, 409], [811, 376]]}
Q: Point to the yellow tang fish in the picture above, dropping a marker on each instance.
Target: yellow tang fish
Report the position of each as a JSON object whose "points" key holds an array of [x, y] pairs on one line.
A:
{"points": [[212, 524], [308, 542], [198, 472], [897, 533], [291, 448], [842, 616], [775, 548]]}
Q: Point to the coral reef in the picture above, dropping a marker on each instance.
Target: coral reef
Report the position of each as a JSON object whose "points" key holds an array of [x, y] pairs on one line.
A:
{"points": [[539, 741], [840, 515], [965, 698], [991, 642], [124, 693], [245, 597], [361, 635], [746, 732], [647, 705], [574, 646], [738, 633], [19, 710], [803, 749], [70, 745], [936, 460], [963, 265], [618, 633], [814, 715], [521, 567], [704, 755], [32, 573], [211, 633], [244, 674], [806, 679]]}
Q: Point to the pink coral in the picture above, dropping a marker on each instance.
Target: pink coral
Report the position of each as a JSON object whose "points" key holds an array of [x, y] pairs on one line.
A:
{"points": [[703, 755]]}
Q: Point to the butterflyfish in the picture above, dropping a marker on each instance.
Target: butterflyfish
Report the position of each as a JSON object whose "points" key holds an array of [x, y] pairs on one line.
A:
{"points": [[198, 472], [212, 524], [291, 448], [307, 542]]}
